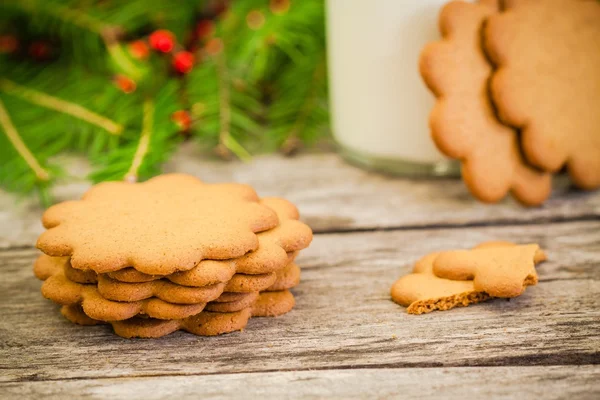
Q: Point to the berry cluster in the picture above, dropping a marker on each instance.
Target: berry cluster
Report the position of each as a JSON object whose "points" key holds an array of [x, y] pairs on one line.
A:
{"points": [[163, 41]]}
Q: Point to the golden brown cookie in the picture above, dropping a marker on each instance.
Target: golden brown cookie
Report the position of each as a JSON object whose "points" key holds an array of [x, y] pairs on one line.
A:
{"points": [[167, 224], [547, 82], [498, 271], [132, 275], [45, 266], [227, 297], [174, 293], [242, 283], [277, 248], [463, 122], [273, 304], [290, 236], [75, 314], [422, 292], [58, 288], [232, 306], [162, 289], [540, 255], [202, 324], [207, 272], [287, 278]]}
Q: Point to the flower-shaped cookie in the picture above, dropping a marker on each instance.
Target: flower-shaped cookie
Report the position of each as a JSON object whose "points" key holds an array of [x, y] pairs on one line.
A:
{"points": [[500, 271], [463, 123], [548, 81], [444, 280], [167, 224]]}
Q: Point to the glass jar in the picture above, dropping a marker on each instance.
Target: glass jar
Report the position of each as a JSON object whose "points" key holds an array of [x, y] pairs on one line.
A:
{"points": [[380, 105]]}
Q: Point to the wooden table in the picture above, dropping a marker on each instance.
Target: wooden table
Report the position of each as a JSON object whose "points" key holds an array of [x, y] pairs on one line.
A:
{"points": [[345, 338]]}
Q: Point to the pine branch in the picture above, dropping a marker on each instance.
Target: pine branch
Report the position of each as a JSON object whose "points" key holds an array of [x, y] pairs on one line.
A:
{"points": [[52, 124], [307, 109], [225, 107], [225, 138], [85, 117], [25, 167], [91, 34], [299, 112], [144, 142], [59, 105], [63, 13], [65, 107], [283, 37], [20, 146]]}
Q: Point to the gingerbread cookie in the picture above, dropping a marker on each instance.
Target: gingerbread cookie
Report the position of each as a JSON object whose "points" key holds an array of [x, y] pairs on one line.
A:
{"points": [[162, 289], [167, 224], [202, 324], [61, 290], [207, 272], [290, 236], [277, 248], [540, 255], [227, 297], [498, 271], [75, 314], [232, 306], [547, 82], [422, 292], [173, 293], [250, 283], [287, 278], [273, 304], [463, 123]]}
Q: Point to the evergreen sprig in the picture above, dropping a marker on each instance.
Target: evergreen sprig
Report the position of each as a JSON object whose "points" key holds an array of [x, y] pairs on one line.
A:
{"points": [[146, 143], [259, 84], [88, 30]]}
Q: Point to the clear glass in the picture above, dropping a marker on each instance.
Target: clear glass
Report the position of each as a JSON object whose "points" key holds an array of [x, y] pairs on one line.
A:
{"points": [[380, 105]]}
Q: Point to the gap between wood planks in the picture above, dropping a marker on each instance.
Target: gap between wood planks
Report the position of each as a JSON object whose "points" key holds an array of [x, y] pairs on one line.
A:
{"points": [[508, 362], [482, 224]]}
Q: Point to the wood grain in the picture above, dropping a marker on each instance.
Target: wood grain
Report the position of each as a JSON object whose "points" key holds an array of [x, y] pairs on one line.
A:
{"points": [[572, 382], [332, 196], [343, 319]]}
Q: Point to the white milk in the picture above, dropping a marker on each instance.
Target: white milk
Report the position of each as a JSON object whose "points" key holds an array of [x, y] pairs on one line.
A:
{"points": [[380, 105]]}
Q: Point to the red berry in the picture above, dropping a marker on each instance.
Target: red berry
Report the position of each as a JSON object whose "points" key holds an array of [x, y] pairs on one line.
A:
{"points": [[183, 62], [205, 29], [162, 40], [139, 49], [40, 50], [8, 44], [182, 119], [124, 83]]}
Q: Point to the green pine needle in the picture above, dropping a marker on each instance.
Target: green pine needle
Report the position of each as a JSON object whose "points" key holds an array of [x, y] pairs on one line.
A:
{"points": [[265, 90]]}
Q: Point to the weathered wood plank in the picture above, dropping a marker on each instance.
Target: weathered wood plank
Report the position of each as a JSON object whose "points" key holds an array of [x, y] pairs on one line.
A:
{"points": [[333, 196], [343, 318], [572, 382]]}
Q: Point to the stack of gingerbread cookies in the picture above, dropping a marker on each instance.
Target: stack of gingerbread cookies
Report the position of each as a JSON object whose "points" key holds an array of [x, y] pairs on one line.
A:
{"points": [[448, 279], [172, 253], [518, 92]]}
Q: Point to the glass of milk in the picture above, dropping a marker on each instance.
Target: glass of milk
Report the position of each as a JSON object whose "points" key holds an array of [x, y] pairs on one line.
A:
{"points": [[380, 105]]}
